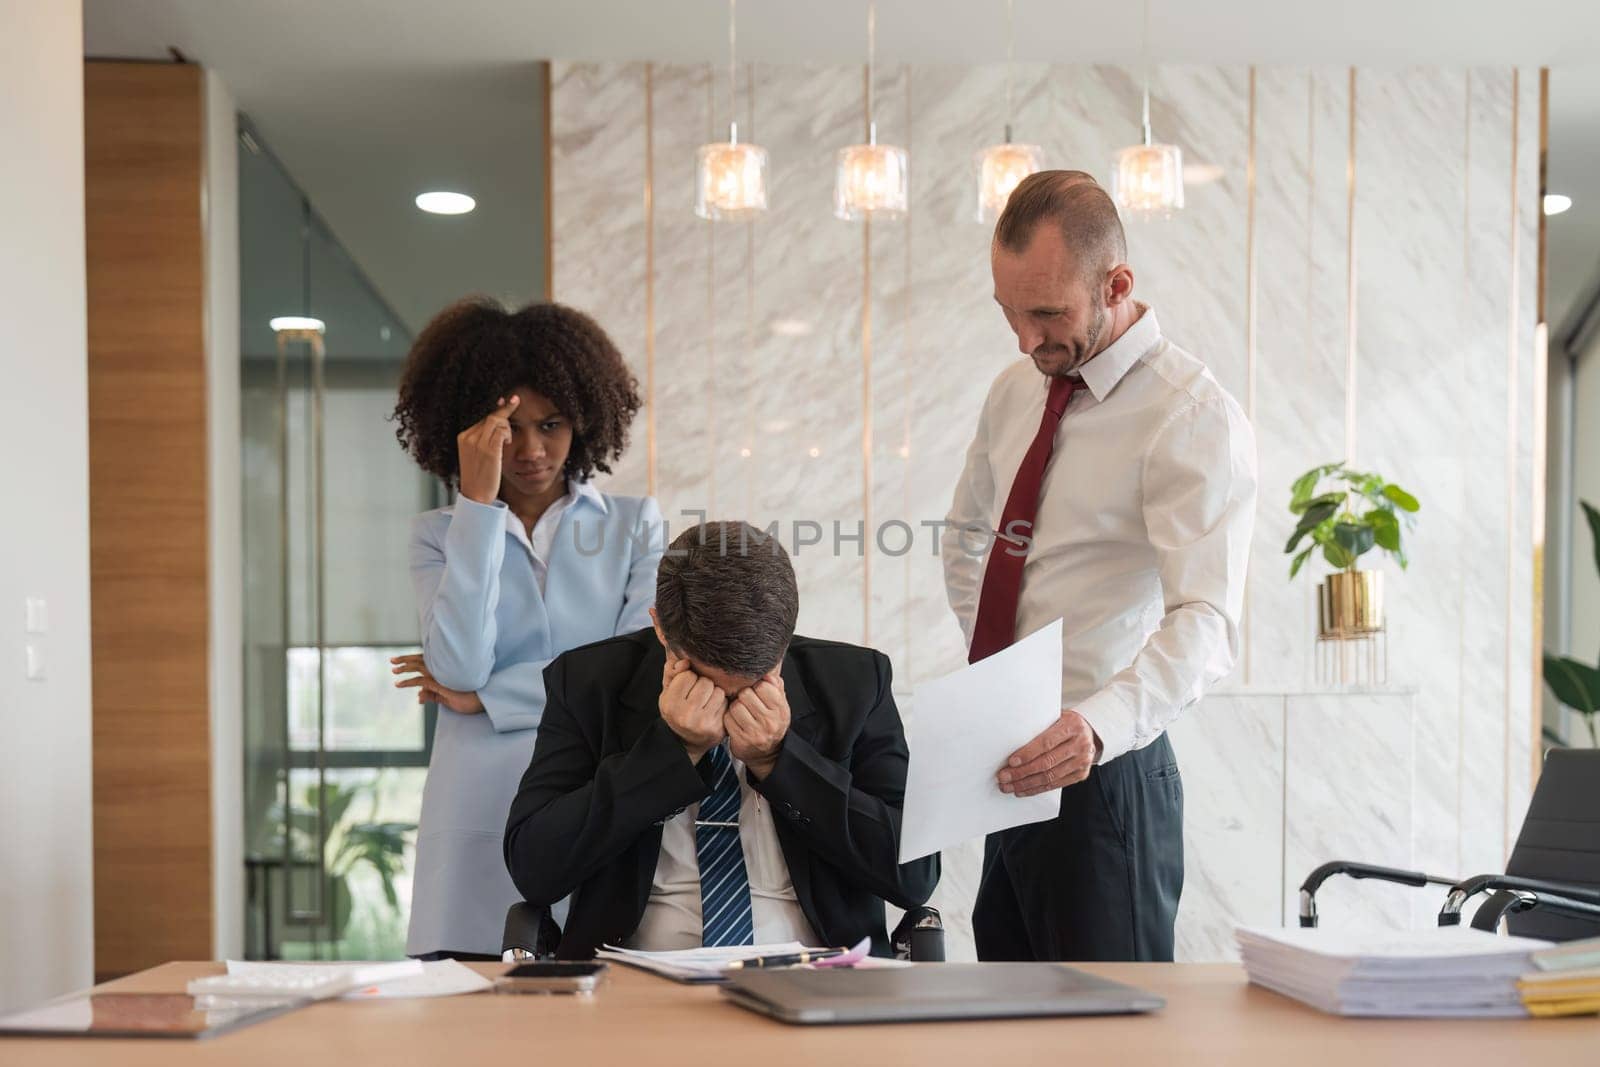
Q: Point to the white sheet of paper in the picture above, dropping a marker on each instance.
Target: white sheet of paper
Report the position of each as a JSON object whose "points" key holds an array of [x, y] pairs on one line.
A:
{"points": [[962, 728]]}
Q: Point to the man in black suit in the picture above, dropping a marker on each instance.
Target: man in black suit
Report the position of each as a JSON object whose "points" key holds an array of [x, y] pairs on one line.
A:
{"points": [[718, 781]]}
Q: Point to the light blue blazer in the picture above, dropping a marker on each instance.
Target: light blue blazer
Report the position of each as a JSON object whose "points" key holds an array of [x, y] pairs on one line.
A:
{"points": [[487, 628]]}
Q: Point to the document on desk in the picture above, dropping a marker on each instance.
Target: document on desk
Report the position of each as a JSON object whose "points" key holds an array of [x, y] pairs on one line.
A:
{"points": [[962, 728], [694, 965]]}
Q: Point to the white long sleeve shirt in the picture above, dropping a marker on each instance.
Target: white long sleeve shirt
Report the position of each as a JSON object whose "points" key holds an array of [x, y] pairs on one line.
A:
{"points": [[672, 919], [1142, 534]]}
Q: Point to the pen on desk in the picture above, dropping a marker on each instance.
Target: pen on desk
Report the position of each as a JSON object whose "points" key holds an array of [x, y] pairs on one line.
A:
{"points": [[788, 959]]}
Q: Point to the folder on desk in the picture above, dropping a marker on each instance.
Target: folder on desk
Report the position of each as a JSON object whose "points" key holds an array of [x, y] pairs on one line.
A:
{"points": [[694, 965], [1567, 981]]}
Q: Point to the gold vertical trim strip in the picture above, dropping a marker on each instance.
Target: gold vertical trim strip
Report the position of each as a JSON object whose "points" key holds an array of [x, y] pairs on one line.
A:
{"points": [[907, 382], [1313, 339], [753, 377], [866, 399], [1462, 500], [866, 431], [1512, 372], [650, 276], [547, 83], [1250, 339], [1350, 294], [1541, 357], [1541, 368], [711, 318]]}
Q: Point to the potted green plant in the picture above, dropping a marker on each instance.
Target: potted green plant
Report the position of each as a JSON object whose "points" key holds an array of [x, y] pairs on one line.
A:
{"points": [[1346, 514], [1577, 684], [350, 843]]}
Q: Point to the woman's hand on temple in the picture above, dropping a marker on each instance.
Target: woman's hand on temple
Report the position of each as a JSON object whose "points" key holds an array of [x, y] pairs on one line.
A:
{"points": [[479, 448]]}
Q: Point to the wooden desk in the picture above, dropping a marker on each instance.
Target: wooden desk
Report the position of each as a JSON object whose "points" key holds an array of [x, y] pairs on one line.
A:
{"points": [[1212, 1017]]}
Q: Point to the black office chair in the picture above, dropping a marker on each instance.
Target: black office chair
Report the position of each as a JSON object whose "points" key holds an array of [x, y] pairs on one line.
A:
{"points": [[531, 934], [1551, 886]]}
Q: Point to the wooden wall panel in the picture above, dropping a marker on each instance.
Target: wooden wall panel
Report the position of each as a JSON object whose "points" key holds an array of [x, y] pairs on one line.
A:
{"points": [[143, 147]]}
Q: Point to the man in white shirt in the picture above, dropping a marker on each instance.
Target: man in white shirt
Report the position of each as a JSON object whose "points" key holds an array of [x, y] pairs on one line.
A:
{"points": [[1112, 481], [718, 780]]}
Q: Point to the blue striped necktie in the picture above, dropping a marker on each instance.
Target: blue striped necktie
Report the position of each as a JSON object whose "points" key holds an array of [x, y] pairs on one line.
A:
{"points": [[724, 885]]}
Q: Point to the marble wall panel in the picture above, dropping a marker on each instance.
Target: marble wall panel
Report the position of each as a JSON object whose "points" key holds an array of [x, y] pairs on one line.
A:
{"points": [[1348, 786], [1487, 592], [888, 375], [599, 220], [1230, 752], [687, 297], [1301, 231], [1410, 252]]}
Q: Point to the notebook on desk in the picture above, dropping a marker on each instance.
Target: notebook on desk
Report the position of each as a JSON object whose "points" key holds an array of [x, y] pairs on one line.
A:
{"points": [[928, 992]]}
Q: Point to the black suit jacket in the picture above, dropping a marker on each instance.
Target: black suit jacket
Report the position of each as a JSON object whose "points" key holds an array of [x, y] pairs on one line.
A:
{"points": [[607, 771]]}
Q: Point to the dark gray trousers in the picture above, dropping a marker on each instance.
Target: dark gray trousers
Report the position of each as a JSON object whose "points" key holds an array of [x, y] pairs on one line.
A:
{"points": [[1099, 882]]}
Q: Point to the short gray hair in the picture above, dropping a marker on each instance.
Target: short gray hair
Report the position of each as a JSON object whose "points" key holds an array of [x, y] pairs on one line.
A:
{"points": [[726, 596]]}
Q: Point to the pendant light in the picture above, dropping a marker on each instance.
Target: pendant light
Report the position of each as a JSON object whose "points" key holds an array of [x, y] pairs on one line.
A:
{"points": [[1001, 167], [871, 180], [1147, 179], [730, 178]]}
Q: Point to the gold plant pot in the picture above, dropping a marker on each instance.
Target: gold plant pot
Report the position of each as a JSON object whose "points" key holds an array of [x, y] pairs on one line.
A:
{"points": [[1350, 604]]}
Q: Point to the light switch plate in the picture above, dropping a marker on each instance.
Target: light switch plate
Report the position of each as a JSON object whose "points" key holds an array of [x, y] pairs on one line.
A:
{"points": [[36, 615], [35, 662]]}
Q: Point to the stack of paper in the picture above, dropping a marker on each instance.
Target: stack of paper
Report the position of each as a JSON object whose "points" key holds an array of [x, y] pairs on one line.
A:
{"points": [[695, 964], [1440, 972], [1567, 981]]}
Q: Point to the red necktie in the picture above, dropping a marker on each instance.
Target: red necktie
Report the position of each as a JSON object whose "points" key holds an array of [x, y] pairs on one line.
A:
{"points": [[996, 627]]}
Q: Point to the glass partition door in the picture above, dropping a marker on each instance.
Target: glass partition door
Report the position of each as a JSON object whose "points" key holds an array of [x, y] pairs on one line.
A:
{"points": [[334, 755]]}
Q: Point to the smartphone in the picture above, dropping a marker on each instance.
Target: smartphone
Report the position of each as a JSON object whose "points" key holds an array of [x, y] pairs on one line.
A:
{"points": [[547, 977]]}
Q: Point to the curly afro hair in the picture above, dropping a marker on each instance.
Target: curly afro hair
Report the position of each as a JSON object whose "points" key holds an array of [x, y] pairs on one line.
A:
{"points": [[475, 350]]}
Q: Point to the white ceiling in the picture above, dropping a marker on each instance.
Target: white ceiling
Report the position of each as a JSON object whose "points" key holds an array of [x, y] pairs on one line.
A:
{"points": [[369, 101]]}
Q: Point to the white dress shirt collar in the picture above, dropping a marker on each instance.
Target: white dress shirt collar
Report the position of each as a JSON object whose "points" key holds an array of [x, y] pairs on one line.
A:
{"points": [[1102, 373], [541, 539]]}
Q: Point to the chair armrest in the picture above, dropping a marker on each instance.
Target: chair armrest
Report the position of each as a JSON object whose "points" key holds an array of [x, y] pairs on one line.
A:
{"points": [[1314, 880], [530, 933], [919, 936], [1513, 894]]}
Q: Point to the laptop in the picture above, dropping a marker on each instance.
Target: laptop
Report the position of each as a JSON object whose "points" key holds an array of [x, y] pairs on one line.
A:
{"points": [[926, 992]]}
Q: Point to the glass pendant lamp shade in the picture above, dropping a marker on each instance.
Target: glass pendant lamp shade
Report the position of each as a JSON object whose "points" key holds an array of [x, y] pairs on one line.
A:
{"points": [[1000, 169], [730, 179], [871, 180], [1148, 180]]}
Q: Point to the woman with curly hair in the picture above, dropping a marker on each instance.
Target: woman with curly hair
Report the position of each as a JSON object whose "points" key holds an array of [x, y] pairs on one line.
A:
{"points": [[517, 411]]}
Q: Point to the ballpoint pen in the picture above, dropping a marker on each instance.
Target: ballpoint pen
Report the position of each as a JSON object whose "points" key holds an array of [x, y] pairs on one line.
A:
{"points": [[787, 959]]}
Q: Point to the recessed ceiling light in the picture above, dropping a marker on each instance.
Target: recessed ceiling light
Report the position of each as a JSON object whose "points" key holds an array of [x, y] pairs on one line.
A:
{"points": [[1556, 203], [443, 203], [296, 322]]}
